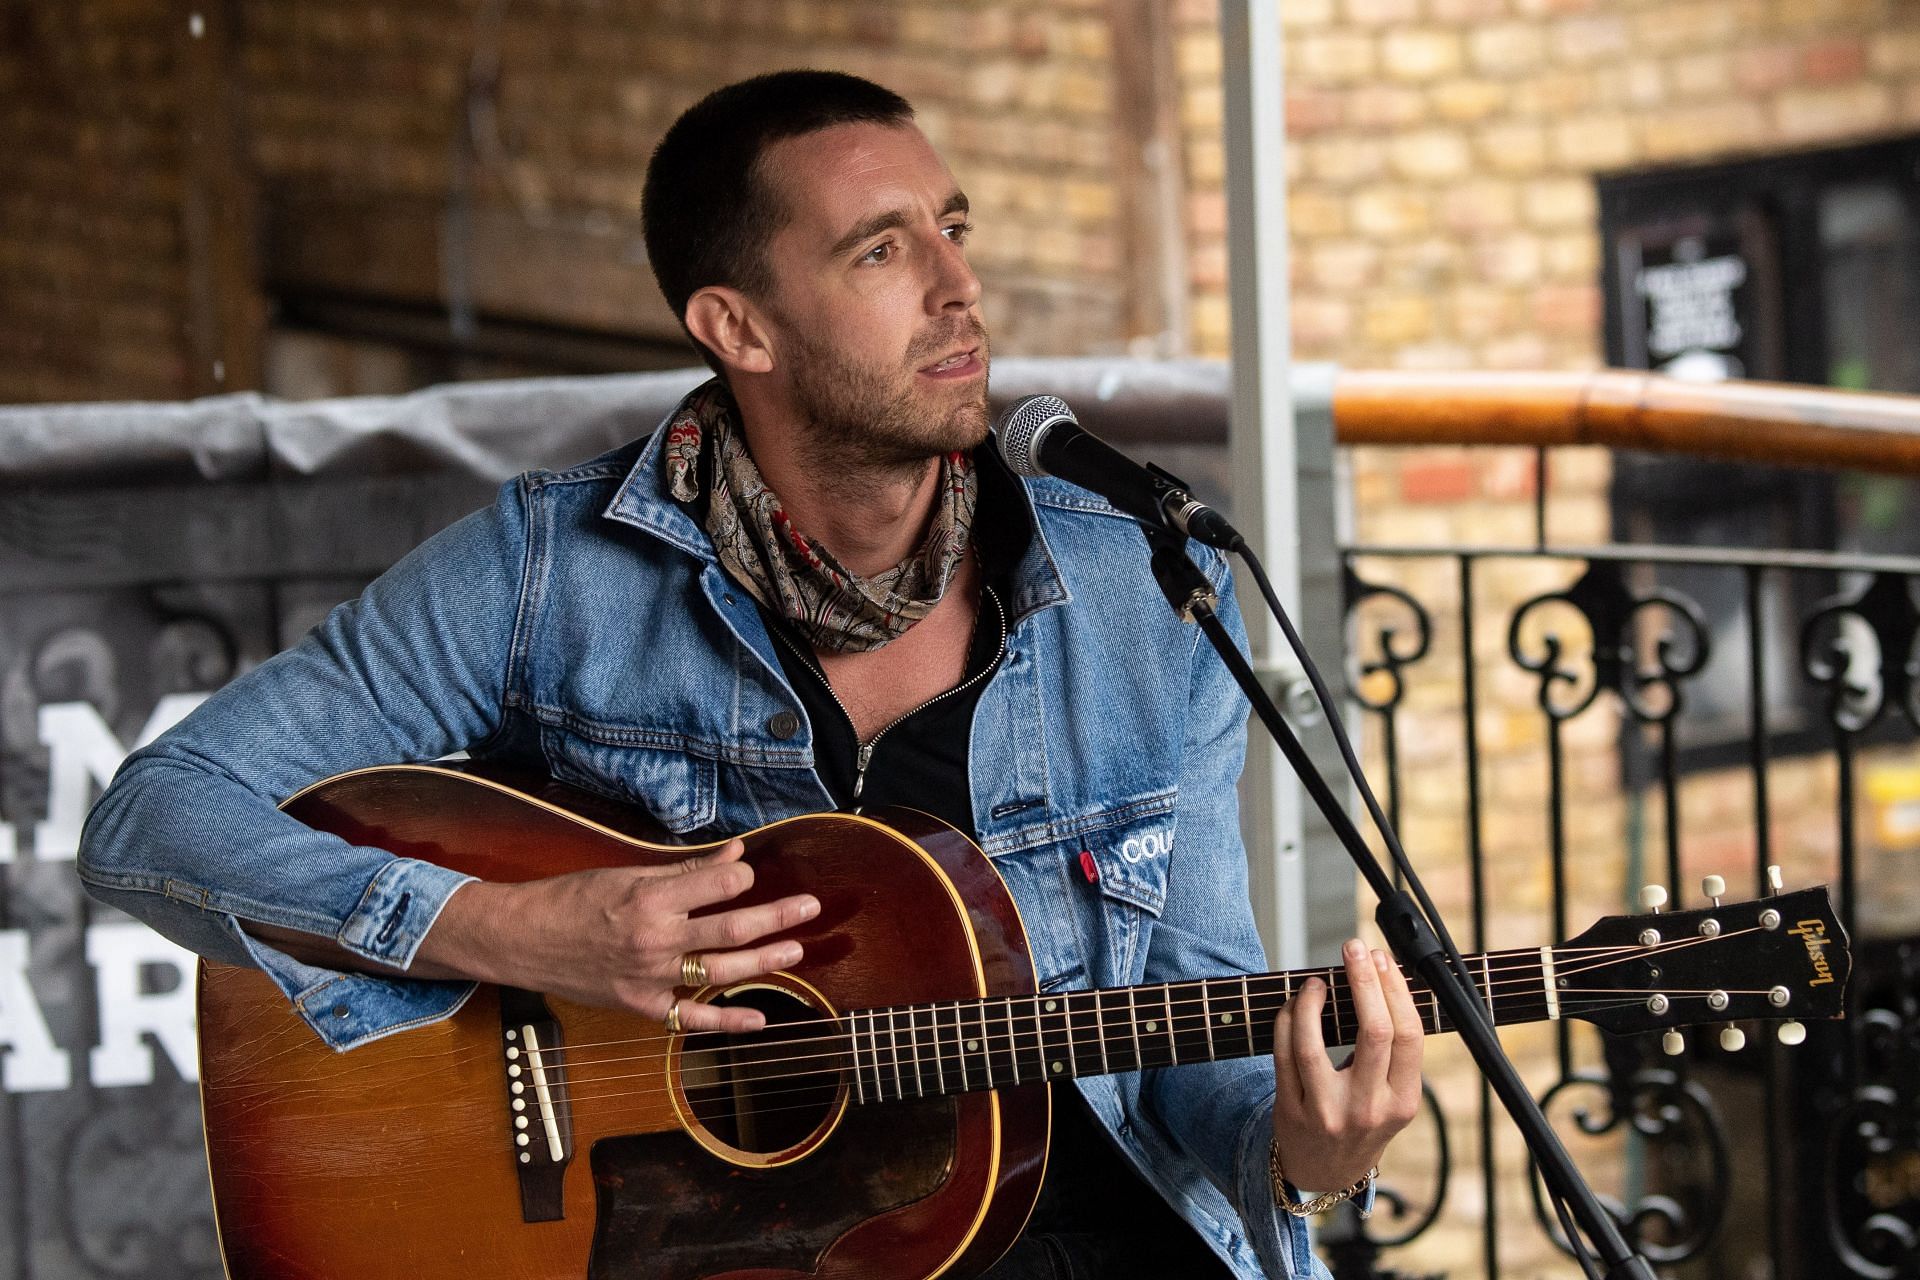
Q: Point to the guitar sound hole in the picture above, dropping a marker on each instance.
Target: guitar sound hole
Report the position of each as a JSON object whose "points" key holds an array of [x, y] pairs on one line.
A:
{"points": [[765, 1091]]}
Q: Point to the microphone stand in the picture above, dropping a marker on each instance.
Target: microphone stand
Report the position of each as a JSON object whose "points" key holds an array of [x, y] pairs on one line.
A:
{"points": [[1407, 931]]}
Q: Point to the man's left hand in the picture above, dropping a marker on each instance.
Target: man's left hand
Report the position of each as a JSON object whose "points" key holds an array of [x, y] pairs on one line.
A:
{"points": [[1333, 1124]]}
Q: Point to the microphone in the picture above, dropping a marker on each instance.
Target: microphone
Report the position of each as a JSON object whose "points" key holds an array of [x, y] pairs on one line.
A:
{"points": [[1039, 436]]}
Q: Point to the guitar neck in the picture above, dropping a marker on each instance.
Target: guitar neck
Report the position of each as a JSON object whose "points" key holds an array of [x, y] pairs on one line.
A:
{"points": [[915, 1051]]}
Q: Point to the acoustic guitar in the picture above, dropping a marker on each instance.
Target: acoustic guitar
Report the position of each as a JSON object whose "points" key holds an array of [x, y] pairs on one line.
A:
{"points": [[891, 1120]]}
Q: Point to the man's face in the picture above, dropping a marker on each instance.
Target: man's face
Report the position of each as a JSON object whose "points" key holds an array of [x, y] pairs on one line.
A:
{"points": [[876, 313]]}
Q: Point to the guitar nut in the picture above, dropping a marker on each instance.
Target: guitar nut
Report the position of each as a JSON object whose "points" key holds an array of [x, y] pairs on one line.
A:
{"points": [[1657, 1004], [1717, 1000], [1778, 997], [1769, 919], [1709, 928], [1649, 937]]}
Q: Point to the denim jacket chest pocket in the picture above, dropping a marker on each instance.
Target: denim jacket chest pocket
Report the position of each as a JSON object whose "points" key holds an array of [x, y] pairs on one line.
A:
{"points": [[653, 771], [1130, 863], [1110, 870]]}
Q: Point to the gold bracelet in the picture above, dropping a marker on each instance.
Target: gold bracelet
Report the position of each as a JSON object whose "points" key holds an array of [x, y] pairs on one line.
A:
{"points": [[1283, 1190]]}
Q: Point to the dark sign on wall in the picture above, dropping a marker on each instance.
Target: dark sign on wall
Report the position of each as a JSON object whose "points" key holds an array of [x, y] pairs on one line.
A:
{"points": [[102, 1172], [1694, 307], [1696, 295], [147, 555]]}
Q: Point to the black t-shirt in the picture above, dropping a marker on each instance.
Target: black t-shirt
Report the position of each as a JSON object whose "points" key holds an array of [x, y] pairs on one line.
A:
{"points": [[920, 760]]}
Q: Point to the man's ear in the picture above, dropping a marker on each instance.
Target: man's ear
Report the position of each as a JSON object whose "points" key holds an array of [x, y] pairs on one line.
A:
{"points": [[722, 320]]}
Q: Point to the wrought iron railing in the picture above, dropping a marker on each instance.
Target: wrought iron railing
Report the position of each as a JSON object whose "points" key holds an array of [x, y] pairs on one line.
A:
{"points": [[1726, 1159]]}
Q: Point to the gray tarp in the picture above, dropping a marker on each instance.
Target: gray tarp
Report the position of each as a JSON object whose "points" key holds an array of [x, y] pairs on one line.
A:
{"points": [[492, 430]]}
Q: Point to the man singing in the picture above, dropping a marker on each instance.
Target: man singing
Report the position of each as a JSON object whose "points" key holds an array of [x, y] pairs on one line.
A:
{"points": [[814, 586]]}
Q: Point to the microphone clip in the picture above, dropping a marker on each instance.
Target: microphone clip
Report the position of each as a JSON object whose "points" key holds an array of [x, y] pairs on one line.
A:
{"points": [[1187, 590]]}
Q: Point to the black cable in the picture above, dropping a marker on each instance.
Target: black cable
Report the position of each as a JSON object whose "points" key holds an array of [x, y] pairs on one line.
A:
{"points": [[1575, 1245], [1338, 728]]}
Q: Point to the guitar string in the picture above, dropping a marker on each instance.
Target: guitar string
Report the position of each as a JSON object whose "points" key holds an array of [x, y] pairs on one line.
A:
{"points": [[926, 1089], [1524, 964], [839, 1045]]}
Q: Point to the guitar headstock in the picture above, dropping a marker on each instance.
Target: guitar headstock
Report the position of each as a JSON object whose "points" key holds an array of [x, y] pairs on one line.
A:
{"points": [[1780, 958]]}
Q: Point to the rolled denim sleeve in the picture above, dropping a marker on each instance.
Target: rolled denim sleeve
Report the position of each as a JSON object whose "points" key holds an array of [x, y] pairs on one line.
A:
{"points": [[189, 837], [1221, 1113]]}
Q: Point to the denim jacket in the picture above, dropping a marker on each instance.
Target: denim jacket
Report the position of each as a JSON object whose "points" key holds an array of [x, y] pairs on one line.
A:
{"points": [[583, 624]]}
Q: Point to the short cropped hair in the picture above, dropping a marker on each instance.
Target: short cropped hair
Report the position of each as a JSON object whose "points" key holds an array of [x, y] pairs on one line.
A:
{"points": [[708, 209]]}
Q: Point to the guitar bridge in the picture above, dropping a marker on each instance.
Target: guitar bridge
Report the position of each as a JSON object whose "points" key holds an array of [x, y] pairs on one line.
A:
{"points": [[539, 1116]]}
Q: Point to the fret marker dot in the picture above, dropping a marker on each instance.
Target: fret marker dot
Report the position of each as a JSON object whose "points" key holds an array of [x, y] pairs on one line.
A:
{"points": [[1057, 1068], [1050, 1006], [1226, 1017], [972, 1045], [1153, 1026]]}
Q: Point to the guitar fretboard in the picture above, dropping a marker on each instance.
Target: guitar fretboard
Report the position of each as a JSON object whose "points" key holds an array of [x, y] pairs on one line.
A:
{"points": [[929, 1050]]}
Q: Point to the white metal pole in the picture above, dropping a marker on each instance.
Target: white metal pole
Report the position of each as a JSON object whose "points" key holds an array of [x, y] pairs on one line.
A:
{"points": [[1282, 495]]}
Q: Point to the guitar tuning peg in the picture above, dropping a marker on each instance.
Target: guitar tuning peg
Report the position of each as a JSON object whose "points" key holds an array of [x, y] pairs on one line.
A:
{"points": [[1673, 1044], [1714, 887], [1653, 897], [1792, 1031], [1774, 882], [1732, 1039]]}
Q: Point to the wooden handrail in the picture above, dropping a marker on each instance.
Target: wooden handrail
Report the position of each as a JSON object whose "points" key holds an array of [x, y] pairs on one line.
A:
{"points": [[1775, 423]]}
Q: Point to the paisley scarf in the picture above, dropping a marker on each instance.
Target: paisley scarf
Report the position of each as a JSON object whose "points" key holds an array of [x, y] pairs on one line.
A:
{"points": [[785, 570]]}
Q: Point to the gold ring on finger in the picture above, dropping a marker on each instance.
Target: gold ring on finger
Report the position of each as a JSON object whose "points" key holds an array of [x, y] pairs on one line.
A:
{"points": [[693, 970], [673, 1018]]}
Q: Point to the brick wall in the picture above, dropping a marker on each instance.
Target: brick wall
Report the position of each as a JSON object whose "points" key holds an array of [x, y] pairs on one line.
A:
{"points": [[93, 292], [349, 119]]}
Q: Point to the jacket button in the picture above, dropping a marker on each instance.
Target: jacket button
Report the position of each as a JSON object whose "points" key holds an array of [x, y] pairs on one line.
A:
{"points": [[783, 725], [341, 1011]]}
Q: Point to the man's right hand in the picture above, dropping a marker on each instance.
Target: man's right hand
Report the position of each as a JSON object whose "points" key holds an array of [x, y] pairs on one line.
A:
{"points": [[616, 936], [611, 937]]}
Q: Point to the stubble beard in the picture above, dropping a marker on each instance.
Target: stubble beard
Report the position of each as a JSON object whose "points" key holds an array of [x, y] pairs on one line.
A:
{"points": [[866, 425]]}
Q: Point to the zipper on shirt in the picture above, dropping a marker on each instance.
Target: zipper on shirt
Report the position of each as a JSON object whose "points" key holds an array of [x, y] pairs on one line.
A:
{"points": [[864, 756]]}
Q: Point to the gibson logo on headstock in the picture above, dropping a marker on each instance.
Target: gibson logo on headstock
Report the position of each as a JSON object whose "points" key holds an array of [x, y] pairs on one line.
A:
{"points": [[1814, 934]]}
